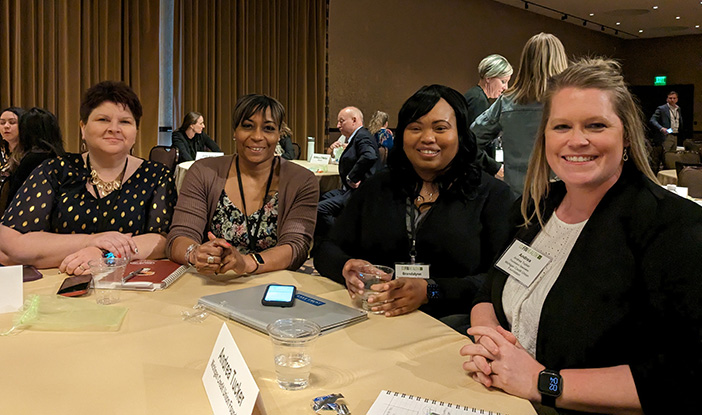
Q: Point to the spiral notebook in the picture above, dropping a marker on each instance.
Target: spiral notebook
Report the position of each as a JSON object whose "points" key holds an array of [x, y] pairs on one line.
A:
{"points": [[396, 403], [154, 275]]}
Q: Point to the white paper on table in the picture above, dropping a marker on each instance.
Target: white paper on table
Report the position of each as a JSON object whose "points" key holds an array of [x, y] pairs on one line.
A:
{"points": [[10, 288]]}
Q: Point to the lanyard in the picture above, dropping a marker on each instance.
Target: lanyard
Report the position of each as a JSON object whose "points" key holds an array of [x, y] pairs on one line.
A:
{"points": [[414, 227], [253, 238]]}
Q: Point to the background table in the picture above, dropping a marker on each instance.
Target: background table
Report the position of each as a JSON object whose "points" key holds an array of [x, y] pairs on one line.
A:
{"points": [[667, 177], [155, 362]]}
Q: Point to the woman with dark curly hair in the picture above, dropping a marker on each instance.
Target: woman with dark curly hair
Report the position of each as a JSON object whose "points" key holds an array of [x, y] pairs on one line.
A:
{"points": [[432, 207]]}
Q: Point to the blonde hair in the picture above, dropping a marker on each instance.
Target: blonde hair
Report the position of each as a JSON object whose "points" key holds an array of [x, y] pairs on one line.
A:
{"points": [[377, 121], [587, 73], [543, 56], [494, 66]]}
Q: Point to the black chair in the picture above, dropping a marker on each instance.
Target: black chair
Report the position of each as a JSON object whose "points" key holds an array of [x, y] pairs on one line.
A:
{"points": [[297, 151], [166, 155]]}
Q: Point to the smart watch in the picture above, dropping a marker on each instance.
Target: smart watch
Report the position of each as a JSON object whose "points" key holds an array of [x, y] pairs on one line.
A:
{"points": [[550, 386], [258, 259], [433, 292]]}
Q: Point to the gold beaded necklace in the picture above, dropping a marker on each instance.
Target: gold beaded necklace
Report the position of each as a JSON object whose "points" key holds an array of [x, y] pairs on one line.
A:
{"points": [[103, 188]]}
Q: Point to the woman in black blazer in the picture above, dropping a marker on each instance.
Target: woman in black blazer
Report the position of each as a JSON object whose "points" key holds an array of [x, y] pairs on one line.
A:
{"points": [[613, 323], [190, 138]]}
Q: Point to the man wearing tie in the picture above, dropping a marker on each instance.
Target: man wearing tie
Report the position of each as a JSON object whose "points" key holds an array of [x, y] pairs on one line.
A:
{"points": [[668, 123], [357, 163]]}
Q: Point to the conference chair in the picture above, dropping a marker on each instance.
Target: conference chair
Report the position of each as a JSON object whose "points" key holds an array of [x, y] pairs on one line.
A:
{"points": [[166, 155], [691, 177], [688, 157]]}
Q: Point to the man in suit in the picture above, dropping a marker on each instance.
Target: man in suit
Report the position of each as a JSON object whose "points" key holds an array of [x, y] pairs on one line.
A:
{"points": [[358, 162], [668, 123]]}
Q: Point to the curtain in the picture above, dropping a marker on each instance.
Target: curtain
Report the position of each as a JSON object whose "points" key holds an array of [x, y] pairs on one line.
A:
{"points": [[52, 51], [227, 48]]}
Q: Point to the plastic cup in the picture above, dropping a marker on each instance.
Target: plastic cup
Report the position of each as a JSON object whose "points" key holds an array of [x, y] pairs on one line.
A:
{"points": [[371, 275], [293, 339], [107, 278]]}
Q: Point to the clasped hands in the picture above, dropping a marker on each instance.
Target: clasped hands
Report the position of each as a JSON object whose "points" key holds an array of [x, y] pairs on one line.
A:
{"points": [[217, 256], [496, 359], [398, 296]]}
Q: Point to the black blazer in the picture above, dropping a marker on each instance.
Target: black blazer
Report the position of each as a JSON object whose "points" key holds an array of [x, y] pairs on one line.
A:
{"points": [[630, 293], [360, 158], [188, 148], [661, 119]]}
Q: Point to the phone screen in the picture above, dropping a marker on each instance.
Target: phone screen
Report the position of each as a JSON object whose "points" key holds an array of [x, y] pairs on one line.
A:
{"points": [[279, 295], [75, 286]]}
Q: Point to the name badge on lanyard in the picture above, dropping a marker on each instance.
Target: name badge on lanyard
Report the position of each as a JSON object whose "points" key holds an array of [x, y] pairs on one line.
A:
{"points": [[522, 262], [405, 270]]}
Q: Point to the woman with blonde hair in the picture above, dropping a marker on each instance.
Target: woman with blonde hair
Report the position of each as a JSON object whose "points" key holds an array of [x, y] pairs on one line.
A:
{"points": [[576, 332], [516, 114], [378, 126]]}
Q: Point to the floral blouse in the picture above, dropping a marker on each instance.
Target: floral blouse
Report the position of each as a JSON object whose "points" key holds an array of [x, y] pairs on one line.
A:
{"points": [[228, 223]]}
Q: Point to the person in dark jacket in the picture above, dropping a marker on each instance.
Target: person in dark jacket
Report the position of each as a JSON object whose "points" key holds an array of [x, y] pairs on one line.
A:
{"points": [[190, 138], [615, 251]]}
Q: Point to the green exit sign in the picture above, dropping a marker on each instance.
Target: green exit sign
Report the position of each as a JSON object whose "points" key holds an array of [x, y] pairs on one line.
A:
{"points": [[660, 80]]}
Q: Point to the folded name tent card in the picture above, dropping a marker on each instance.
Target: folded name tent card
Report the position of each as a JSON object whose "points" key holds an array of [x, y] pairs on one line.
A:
{"points": [[320, 158], [229, 384], [10, 288]]}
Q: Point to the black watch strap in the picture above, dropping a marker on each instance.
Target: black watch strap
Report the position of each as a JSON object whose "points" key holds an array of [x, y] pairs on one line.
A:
{"points": [[550, 386], [433, 291]]}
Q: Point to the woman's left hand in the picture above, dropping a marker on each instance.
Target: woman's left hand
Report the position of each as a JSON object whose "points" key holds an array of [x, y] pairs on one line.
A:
{"points": [[400, 296], [232, 260], [506, 365], [77, 263]]}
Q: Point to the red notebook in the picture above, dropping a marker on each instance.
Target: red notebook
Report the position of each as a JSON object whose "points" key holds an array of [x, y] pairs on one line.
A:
{"points": [[154, 274]]}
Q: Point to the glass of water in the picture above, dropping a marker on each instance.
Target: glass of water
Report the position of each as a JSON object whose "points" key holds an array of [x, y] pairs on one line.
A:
{"points": [[371, 275], [107, 278], [293, 339]]}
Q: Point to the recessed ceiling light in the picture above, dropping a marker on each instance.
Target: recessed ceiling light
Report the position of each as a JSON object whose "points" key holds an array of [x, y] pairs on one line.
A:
{"points": [[697, 26], [618, 23], [592, 14], [677, 17], [656, 7], [640, 30]]}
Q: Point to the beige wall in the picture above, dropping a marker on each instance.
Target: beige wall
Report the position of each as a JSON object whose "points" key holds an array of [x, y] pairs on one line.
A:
{"points": [[381, 51]]}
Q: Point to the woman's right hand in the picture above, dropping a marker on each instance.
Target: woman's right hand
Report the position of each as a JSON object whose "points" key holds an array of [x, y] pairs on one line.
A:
{"points": [[207, 257], [121, 244], [352, 269]]}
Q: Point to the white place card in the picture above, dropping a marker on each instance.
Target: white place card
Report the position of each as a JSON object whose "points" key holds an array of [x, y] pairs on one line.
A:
{"points": [[522, 262], [206, 154], [229, 384], [320, 158], [10, 288]]}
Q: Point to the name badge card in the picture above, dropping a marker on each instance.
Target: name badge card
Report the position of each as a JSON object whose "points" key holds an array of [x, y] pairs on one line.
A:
{"points": [[404, 270], [320, 158], [522, 262], [10, 288], [228, 382]]}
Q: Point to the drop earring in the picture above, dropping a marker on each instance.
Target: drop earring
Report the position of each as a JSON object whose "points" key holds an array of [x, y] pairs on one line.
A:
{"points": [[625, 156]]}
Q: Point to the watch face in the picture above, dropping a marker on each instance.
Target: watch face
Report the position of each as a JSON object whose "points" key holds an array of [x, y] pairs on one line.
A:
{"points": [[550, 383], [258, 258]]}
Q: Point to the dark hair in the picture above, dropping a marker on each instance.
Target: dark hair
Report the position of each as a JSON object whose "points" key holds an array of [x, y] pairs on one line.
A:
{"points": [[461, 177], [112, 91], [671, 93], [15, 110], [39, 130], [248, 105], [190, 119]]}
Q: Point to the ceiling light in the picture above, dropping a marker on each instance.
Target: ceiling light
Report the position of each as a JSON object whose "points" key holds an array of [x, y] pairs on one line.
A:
{"points": [[697, 26], [640, 30], [592, 14], [656, 7], [677, 17]]}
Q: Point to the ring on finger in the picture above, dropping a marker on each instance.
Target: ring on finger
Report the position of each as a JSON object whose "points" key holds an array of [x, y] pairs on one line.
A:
{"points": [[210, 259], [81, 267]]}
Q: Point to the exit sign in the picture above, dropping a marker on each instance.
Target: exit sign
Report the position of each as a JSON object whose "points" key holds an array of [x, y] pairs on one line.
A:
{"points": [[660, 80]]}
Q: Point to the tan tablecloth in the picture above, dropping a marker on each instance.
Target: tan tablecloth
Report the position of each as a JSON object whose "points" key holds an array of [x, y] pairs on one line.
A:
{"points": [[181, 169], [155, 362], [667, 177]]}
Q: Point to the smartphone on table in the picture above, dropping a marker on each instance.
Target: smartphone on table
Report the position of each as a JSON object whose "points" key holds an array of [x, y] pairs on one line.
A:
{"points": [[277, 295], [75, 286]]}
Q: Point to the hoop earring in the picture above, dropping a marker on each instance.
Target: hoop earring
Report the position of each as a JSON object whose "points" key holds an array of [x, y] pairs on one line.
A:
{"points": [[625, 156]]}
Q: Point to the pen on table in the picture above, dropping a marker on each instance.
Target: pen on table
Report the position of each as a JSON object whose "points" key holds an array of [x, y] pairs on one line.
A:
{"points": [[132, 275]]}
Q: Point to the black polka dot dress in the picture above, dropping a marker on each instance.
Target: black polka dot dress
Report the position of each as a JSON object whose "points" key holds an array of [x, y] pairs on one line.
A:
{"points": [[54, 198]]}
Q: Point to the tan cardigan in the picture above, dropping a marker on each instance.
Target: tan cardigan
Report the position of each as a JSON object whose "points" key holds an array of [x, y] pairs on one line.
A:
{"points": [[298, 194]]}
